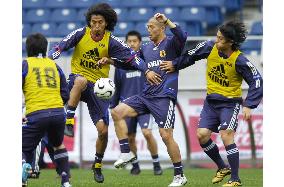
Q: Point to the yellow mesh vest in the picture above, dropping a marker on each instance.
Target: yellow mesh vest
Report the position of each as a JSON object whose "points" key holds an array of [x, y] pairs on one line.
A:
{"points": [[42, 85], [222, 77], [86, 55]]}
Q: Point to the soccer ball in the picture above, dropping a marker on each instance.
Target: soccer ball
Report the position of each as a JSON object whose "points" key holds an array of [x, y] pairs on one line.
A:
{"points": [[104, 88]]}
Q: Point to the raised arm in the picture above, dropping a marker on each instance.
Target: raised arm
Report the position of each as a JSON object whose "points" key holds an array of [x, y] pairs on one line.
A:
{"points": [[68, 42]]}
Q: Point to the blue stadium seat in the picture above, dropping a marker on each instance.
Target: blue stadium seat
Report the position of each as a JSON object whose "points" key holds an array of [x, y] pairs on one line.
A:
{"points": [[24, 52], [133, 3], [122, 14], [57, 3], [64, 29], [212, 3], [26, 29], [81, 3], [252, 46], [257, 28], [214, 16], [81, 16], [194, 29], [233, 5], [112, 3], [185, 3], [64, 15], [171, 13], [142, 28], [37, 15], [23, 15], [47, 29], [160, 3], [33, 3], [140, 14], [122, 28], [193, 14]]}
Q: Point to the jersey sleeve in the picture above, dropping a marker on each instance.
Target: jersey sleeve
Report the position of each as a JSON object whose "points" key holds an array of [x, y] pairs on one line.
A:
{"points": [[24, 71], [201, 51], [124, 57], [68, 42], [117, 81], [64, 92], [253, 78], [179, 39]]}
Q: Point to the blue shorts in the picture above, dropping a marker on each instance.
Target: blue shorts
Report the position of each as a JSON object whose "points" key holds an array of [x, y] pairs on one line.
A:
{"points": [[143, 120], [38, 125], [162, 109], [98, 108], [219, 117]]}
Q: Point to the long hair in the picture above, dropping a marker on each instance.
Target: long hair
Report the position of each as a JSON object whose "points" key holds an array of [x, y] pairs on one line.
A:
{"points": [[36, 44], [104, 10], [235, 32]]}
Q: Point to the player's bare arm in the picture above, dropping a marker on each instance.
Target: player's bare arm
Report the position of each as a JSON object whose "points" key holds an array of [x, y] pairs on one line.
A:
{"points": [[167, 66], [163, 19]]}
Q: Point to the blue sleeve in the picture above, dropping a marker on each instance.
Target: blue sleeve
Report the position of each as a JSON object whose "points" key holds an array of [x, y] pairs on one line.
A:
{"points": [[178, 40], [63, 85], [124, 57], [117, 81], [68, 42], [201, 51], [253, 78], [24, 71]]}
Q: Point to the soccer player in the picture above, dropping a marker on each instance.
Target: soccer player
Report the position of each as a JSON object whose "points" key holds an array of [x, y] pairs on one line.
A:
{"points": [[95, 49], [45, 90], [129, 83], [226, 69], [159, 100]]}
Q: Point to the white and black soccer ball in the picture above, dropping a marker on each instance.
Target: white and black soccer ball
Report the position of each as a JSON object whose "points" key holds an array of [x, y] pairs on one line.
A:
{"points": [[104, 88]]}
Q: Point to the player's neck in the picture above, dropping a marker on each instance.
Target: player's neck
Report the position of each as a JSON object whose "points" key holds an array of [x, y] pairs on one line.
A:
{"points": [[227, 52], [98, 36], [159, 40]]}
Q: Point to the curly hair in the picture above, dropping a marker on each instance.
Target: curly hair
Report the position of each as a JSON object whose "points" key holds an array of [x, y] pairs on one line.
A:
{"points": [[235, 32], [104, 10], [36, 44]]}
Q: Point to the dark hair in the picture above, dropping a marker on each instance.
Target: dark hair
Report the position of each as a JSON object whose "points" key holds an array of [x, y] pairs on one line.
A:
{"points": [[36, 44], [235, 32], [104, 10], [133, 33]]}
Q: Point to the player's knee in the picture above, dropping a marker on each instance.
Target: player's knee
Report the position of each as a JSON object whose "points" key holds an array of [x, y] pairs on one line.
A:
{"points": [[166, 136], [202, 135], [80, 82], [227, 136], [147, 134], [116, 114], [103, 134]]}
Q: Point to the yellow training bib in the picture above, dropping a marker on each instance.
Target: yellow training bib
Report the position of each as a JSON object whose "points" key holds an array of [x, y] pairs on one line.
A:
{"points": [[222, 77], [86, 55]]}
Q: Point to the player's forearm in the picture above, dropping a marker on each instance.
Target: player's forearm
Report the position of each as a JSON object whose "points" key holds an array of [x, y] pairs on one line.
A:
{"points": [[182, 62]]}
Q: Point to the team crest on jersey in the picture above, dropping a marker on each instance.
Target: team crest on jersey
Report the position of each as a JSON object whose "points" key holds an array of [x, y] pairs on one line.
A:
{"points": [[162, 53]]}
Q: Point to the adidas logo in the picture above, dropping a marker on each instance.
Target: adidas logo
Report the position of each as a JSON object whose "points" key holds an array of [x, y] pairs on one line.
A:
{"points": [[90, 59], [218, 74], [92, 54]]}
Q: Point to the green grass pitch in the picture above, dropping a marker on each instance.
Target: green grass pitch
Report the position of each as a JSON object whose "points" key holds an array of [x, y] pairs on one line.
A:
{"points": [[122, 178]]}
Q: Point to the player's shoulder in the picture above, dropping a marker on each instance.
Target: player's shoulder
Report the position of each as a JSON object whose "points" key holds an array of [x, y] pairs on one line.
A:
{"points": [[242, 59], [78, 32]]}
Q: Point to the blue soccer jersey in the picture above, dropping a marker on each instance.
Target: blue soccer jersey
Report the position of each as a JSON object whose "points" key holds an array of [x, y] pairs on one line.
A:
{"points": [[127, 83], [243, 69], [168, 49]]}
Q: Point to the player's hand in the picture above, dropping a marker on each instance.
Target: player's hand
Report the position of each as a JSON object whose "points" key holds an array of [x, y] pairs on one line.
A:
{"points": [[153, 78], [160, 17], [167, 66], [24, 120], [246, 113], [104, 61]]}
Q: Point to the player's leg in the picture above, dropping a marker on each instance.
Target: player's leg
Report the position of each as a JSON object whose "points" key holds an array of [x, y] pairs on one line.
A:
{"points": [[209, 121], [132, 128], [98, 110], [32, 132], [229, 124], [146, 121], [129, 108], [77, 84], [163, 110], [55, 135]]}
